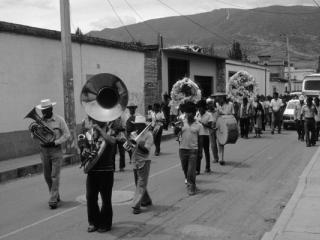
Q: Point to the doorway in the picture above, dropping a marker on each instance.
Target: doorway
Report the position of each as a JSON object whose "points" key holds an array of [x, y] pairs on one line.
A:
{"points": [[205, 84]]}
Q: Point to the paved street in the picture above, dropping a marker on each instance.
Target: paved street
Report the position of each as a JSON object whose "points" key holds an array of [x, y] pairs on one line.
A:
{"points": [[238, 201]]}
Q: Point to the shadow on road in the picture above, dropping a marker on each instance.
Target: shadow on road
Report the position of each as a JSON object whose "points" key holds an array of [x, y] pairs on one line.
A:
{"points": [[237, 164]]}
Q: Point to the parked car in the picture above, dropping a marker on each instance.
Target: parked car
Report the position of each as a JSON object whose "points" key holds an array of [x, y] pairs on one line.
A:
{"points": [[311, 85], [288, 114]]}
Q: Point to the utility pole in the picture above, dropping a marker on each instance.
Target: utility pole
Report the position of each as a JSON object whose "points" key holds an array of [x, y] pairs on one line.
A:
{"points": [[67, 74], [288, 59]]}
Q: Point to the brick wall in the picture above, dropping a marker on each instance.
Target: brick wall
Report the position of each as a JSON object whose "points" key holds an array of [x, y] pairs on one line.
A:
{"points": [[221, 78], [152, 78]]}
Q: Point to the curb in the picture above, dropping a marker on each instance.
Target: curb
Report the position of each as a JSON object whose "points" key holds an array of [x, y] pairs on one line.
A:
{"points": [[34, 168], [37, 167], [288, 211]]}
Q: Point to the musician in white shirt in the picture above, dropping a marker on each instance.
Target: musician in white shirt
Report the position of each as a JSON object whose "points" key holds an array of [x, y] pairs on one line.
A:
{"points": [[276, 104], [223, 108], [158, 121], [205, 119]]}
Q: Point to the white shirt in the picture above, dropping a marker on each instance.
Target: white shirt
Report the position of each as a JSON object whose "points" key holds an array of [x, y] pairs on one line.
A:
{"points": [[317, 116], [157, 118], [205, 119], [276, 104]]}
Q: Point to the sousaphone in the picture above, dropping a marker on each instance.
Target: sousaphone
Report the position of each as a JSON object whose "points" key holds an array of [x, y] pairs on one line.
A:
{"points": [[104, 97]]}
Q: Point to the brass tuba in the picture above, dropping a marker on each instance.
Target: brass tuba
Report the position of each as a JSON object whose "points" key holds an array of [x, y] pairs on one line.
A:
{"points": [[39, 129], [104, 98]]}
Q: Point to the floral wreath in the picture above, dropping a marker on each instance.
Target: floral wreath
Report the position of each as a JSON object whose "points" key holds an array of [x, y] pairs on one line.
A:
{"points": [[185, 90], [242, 84]]}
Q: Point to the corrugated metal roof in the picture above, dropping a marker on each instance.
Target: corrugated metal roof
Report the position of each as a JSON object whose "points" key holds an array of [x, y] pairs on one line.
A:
{"points": [[186, 52]]}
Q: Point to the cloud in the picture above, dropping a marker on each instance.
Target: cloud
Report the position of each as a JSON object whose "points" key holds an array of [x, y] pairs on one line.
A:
{"points": [[112, 22], [42, 4]]}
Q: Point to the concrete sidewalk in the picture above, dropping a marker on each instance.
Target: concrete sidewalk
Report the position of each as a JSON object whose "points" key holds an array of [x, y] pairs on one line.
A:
{"points": [[301, 217], [28, 165]]}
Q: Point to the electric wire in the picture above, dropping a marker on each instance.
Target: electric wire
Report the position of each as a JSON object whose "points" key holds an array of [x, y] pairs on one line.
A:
{"points": [[144, 22], [316, 3], [120, 20], [267, 11], [196, 23]]}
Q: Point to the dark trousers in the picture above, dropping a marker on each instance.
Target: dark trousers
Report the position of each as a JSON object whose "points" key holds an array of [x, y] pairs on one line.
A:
{"points": [[157, 140], [120, 149], [188, 158], [276, 121], [300, 129], [99, 182], [244, 127], [203, 145], [317, 130], [310, 127]]}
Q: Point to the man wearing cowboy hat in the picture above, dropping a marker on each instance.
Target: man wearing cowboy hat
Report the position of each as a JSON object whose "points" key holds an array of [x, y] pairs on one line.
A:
{"points": [[141, 165], [51, 152]]}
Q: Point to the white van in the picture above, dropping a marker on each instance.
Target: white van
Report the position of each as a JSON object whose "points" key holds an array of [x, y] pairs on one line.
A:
{"points": [[311, 85]]}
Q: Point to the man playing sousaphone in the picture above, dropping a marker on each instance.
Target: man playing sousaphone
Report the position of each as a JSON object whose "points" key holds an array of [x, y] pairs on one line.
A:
{"points": [[51, 152], [99, 166]]}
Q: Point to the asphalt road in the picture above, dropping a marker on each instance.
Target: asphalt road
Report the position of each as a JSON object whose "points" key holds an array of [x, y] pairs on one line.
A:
{"points": [[238, 201]]}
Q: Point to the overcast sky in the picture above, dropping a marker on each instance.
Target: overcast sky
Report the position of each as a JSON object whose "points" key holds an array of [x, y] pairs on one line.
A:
{"points": [[97, 14]]}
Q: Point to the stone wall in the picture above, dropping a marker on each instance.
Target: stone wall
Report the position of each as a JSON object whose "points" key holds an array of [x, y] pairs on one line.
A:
{"points": [[221, 78], [152, 78]]}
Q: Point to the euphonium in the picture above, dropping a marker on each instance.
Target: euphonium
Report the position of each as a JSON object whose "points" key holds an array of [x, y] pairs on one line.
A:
{"points": [[39, 129]]}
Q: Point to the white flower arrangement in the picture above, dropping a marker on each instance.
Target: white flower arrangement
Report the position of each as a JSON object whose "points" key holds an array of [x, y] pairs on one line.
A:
{"points": [[242, 84], [185, 90]]}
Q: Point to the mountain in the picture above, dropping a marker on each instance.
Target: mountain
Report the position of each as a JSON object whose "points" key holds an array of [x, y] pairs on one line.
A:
{"points": [[260, 31]]}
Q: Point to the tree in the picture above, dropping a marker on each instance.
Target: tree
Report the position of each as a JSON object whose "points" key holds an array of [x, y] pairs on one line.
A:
{"points": [[235, 51], [78, 32]]}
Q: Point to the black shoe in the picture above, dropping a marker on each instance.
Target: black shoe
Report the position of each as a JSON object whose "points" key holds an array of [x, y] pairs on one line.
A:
{"points": [[136, 211], [103, 230], [222, 163], [58, 199], [146, 204], [53, 205], [272, 132], [92, 228], [197, 173]]}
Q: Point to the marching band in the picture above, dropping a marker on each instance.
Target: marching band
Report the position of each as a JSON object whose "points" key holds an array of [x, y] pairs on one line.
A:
{"points": [[197, 124]]}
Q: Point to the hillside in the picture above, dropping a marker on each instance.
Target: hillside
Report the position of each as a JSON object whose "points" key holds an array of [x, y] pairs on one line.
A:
{"points": [[260, 31]]}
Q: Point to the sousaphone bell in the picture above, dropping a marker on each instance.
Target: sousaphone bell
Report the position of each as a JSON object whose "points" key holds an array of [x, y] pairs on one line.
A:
{"points": [[104, 97]]}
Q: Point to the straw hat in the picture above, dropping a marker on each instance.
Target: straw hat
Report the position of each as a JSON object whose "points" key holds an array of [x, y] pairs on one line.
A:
{"points": [[139, 119], [45, 103]]}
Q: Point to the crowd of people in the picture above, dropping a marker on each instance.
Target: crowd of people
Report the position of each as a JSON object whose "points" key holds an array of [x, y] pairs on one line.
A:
{"points": [[195, 125]]}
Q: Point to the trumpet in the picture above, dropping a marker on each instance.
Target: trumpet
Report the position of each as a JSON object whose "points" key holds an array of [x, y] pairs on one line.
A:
{"points": [[131, 143]]}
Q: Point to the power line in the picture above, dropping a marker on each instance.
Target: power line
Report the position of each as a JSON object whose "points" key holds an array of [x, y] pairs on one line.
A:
{"points": [[316, 3], [271, 12], [120, 20], [136, 12], [144, 22], [195, 23]]}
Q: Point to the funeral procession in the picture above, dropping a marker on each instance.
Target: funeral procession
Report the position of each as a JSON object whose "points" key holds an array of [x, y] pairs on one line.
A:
{"points": [[159, 120]]}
